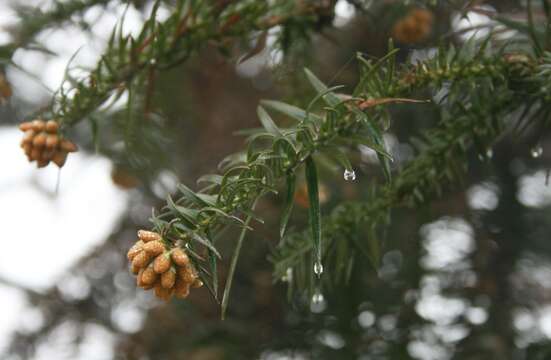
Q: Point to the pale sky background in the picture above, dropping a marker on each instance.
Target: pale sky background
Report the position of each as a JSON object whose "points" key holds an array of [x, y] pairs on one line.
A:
{"points": [[49, 232]]}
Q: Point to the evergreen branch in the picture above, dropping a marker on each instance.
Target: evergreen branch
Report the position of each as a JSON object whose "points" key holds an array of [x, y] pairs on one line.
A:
{"points": [[442, 162], [273, 154], [162, 45], [477, 119]]}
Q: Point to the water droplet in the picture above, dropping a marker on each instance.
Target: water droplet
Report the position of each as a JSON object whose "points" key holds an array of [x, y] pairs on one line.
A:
{"points": [[349, 175], [317, 298], [536, 151], [317, 304], [318, 268], [288, 277], [487, 155]]}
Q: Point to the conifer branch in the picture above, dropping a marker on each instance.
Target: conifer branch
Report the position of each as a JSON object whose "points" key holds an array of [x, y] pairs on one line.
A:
{"points": [[34, 21], [274, 153], [163, 45], [477, 119]]}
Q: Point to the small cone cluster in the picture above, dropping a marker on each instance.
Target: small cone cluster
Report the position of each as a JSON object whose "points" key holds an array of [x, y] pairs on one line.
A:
{"points": [[167, 271], [43, 144], [415, 27]]}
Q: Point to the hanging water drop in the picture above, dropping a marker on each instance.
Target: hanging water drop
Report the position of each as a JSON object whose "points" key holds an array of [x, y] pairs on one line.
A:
{"points": [[349, 175], [536, 151], [317, 298], [288, 277], [317, 303], [318, 268], [487, 155]]}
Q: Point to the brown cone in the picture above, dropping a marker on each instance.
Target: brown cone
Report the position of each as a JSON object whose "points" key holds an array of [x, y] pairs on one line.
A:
{"points": [[168, 279], [68, 146], [52, 126], [149, 276], [147, 236], [39, 140], [47, 154], [28, 137], [38, 125], [141, 259], [148, 287], [181, 289], [179, 257], [59, 158], [134, 269], [40, 163], [154, 248], [161, 264], [139, 281], [35, 154], [186, 275], [162, 293], [25, 126], [27, 148], [51, 141], [134, 250]]}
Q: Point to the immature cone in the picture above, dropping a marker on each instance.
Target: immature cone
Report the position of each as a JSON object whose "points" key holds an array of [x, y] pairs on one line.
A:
{"points": [[42, 143], [167, 270], [28, 137], [38, 125], [147, 236], [139, 278], [68, 146], [39, 140], [162, 293], [134, 250], [161, 264], [52, 127], [27, 148], [134, 269], [149, 276], [141, 259], [168, 279], [154, 248], [181, 289], [52, 141], [186, 275], [179, 257]]}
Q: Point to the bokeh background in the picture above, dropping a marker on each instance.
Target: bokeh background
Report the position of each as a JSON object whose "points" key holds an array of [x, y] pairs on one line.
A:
{"points": [[466, 277]]}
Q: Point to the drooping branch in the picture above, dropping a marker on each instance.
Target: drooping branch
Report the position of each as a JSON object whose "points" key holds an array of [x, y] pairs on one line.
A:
{"points": [[162, 45], [33, 21]]}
